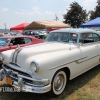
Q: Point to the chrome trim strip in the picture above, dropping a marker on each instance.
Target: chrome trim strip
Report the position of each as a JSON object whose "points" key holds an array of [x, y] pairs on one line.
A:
{"points": [[17, 55], [13, 56], [67, 63], [77, 61], [85, 60], [17, 50]]}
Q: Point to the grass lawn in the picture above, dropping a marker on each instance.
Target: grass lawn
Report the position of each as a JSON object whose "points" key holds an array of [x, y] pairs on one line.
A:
{"points": [[84, 87]]}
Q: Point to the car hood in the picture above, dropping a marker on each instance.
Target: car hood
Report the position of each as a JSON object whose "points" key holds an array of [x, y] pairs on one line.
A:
{"points": [[24, 55], [45, 47]]}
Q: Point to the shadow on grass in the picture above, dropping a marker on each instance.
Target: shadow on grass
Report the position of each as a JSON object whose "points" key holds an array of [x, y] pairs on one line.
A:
{"points": [[72, 86]]}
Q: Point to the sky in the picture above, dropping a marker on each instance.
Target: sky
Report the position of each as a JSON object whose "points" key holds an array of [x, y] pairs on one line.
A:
{"points": [[14, 12]]}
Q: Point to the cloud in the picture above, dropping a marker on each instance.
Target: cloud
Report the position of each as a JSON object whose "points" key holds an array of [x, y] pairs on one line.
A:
{"points": [[89, 2], [23, 12], [3, 9], [35, 10], [50, 12]]}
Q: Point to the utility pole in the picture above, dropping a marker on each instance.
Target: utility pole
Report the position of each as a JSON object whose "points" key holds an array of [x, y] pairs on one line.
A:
{"points": [[5, 26], [56, 17]]}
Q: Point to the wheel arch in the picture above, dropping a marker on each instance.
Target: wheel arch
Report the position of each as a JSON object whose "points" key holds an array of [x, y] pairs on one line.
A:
{"points": [[66, 70]]}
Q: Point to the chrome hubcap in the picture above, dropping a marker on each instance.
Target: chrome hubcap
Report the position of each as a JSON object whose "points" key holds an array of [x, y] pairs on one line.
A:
{"points": [[59, 82]]}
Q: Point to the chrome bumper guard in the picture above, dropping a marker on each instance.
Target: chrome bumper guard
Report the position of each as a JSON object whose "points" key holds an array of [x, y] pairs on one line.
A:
{"points": [[23, 80]]}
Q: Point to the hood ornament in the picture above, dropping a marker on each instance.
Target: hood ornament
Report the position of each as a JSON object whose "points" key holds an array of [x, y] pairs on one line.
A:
{"points": [[18, 47]]}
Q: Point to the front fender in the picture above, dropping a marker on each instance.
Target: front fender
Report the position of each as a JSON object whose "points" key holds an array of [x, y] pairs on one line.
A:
{"points": [[49, 63]]}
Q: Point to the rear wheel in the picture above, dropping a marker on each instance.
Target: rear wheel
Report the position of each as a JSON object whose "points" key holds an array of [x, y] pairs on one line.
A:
{"points": [[59, 82]]}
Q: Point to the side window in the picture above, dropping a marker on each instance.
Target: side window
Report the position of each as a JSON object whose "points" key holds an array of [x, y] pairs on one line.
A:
{"points": [[27, 40], [12, 41], [86, 38], [16, 41], [96, 37], [21, 41]]}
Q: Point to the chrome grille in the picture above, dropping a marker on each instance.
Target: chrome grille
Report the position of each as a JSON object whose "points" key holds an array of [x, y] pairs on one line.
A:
{"points": [[14, 73], [19, 72]]}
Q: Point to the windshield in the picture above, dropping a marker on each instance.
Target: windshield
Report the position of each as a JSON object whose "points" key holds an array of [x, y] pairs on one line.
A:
{"points": [[3, 41], [62, 37]]}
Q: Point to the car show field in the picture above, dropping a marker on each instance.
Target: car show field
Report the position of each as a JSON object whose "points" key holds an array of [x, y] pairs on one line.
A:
{"points": [[64, 55], [50, 50]]}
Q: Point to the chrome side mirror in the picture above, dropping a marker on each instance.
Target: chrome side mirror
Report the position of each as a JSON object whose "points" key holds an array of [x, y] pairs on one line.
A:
{"points": [[80, 44]]}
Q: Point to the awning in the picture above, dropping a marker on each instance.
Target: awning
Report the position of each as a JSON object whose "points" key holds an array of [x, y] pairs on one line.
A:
{"points": [[46, 25], [93, 23], [19, 27]]}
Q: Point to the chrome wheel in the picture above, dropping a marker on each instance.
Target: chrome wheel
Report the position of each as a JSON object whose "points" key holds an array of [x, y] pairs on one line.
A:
{"points": [[59, 82]]}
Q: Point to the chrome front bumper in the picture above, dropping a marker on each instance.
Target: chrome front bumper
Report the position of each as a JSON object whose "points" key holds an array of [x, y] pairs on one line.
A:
{"points": [[24, 80]]}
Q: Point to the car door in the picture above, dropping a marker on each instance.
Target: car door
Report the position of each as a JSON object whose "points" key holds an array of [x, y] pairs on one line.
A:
{"points": [[89, 49], [97, 39]]}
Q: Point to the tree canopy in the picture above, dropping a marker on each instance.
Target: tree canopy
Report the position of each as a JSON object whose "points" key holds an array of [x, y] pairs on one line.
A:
{"points": [[96, 13], [76, 15]]}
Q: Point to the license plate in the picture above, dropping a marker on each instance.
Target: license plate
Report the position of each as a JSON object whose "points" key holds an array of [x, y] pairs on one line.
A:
{"points": [[9, 80]]}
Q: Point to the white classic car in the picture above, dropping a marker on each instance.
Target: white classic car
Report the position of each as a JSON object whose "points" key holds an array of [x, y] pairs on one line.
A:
{"points": [[48, 66]]}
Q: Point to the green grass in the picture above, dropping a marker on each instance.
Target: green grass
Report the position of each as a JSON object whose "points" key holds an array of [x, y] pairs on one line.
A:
{"points": [[84, 87]]}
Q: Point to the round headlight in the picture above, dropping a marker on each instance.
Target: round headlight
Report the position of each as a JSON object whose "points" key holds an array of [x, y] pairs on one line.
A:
{"points": [[34, 66], [1, 57]]}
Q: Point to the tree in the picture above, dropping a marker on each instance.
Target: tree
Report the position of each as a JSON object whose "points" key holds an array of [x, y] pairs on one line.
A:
{"points": [[75, 15], [96, 13]]}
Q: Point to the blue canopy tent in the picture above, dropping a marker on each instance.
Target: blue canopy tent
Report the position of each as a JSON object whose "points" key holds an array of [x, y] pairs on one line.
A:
{"points": [[93, 23]]}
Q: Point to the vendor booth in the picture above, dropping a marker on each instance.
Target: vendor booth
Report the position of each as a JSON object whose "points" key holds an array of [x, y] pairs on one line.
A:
{"points": [[93, 24], [19, 27], [49, 25]]}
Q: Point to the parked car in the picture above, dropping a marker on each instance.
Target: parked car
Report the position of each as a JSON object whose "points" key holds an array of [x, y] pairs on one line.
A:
{"points": [[37, 34], [48, 66], [11, 42], [8, 34], [42, 35]]}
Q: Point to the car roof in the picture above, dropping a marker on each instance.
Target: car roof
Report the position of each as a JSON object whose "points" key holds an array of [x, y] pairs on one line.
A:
{"points": [[75, 30], [16, 36]]}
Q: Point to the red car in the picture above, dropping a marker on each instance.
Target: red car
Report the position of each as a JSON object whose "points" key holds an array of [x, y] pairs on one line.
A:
{"points": [[10, 42]]}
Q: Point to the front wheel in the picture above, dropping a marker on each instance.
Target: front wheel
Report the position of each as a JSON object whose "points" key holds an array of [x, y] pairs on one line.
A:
{"points": [[59, 82]]}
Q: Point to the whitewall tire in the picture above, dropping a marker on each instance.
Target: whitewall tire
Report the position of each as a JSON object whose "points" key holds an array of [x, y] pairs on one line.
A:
{"points": [[59, 82]]}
